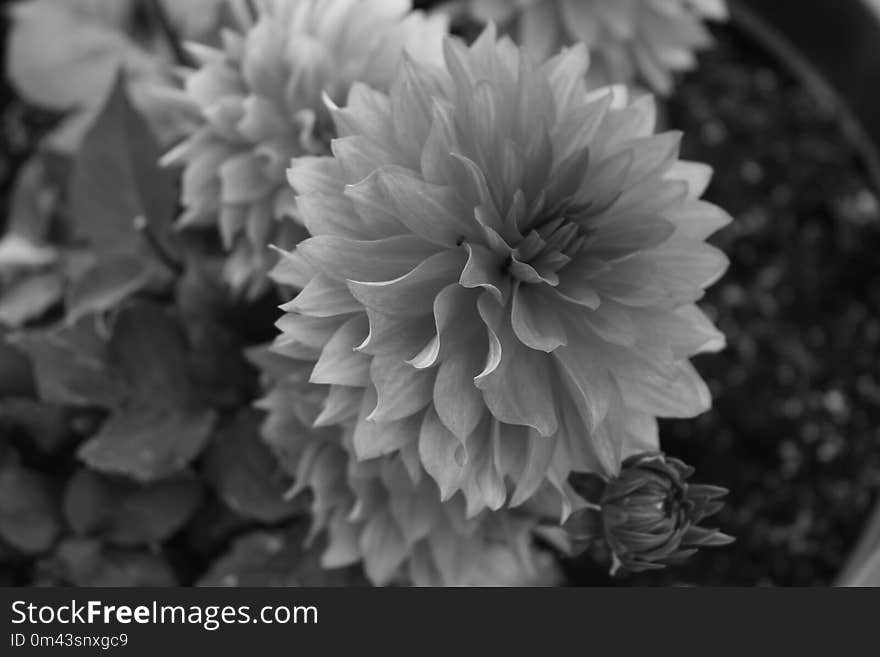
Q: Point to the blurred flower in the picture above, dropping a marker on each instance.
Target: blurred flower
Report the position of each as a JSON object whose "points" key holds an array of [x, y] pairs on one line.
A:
{"points": [[649, 515], [503, 272], [629, 40], [385, 512], [261, 101], [90, 46], [92, 42]]}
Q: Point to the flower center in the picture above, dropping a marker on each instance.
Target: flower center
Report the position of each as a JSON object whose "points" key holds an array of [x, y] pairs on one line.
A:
{"points": [[545, 250]]}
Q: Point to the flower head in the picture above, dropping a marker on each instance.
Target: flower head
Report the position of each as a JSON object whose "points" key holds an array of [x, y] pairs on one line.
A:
{"points": [[650, 514], [385, 512], [644, 40], [261, 103], [503, 272]]}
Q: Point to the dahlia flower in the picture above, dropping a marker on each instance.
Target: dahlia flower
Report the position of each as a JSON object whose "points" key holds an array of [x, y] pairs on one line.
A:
{"points": [[260, 99], [385, 512], [644, 40], [649, 515], [502, 275]]}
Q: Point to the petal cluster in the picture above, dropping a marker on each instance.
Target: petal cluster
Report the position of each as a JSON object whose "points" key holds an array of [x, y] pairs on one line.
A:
{"points": [[385, 512], [260, 103], [630, 40], [502, 277]]}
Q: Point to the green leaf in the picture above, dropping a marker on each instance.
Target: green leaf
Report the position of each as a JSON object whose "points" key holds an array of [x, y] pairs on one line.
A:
{"points": [[148, 443], [126, 513], [123, 205], [277, 558], [117, 179], [150, 351], [162, 422], [245, 473], [71, 366], [86, 562], [29, 519], [159, 421], [108, 283]]}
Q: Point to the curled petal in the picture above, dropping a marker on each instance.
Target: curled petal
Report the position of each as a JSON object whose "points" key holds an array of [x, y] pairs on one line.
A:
{"points": [[518, 390], [323, 297], [484, 268], [535, 320], [686, 395], [339, 363], [412, 294], [442, 454], [375, 260], [402, 389]]}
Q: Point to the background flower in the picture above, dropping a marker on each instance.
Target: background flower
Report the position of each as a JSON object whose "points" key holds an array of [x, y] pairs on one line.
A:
{"points": [[260, 98], [629, 40], [386, 512], [503, 272]]}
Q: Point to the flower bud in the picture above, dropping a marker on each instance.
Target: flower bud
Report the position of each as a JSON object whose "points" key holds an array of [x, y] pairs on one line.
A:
{"points": [[649, 515]]}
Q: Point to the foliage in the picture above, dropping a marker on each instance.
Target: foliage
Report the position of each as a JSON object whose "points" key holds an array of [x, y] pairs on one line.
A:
{"points": [[128, 454]]}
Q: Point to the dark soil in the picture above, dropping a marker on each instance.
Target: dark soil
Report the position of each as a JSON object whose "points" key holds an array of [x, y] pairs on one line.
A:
{"points": [[795, 432]]}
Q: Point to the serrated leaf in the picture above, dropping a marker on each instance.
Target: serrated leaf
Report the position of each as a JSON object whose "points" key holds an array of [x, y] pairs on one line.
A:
{"points": [[149, 349], [162, 423], [125, 513], [71, 366], [29, 519], [275, 559], [158, 421], [245, 473], [86, 562], [108, 283], [148, 443], [122, 205]]}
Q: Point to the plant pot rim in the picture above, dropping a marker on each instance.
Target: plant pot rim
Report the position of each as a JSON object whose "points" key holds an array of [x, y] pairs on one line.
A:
{"points": [[805, 36]]}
